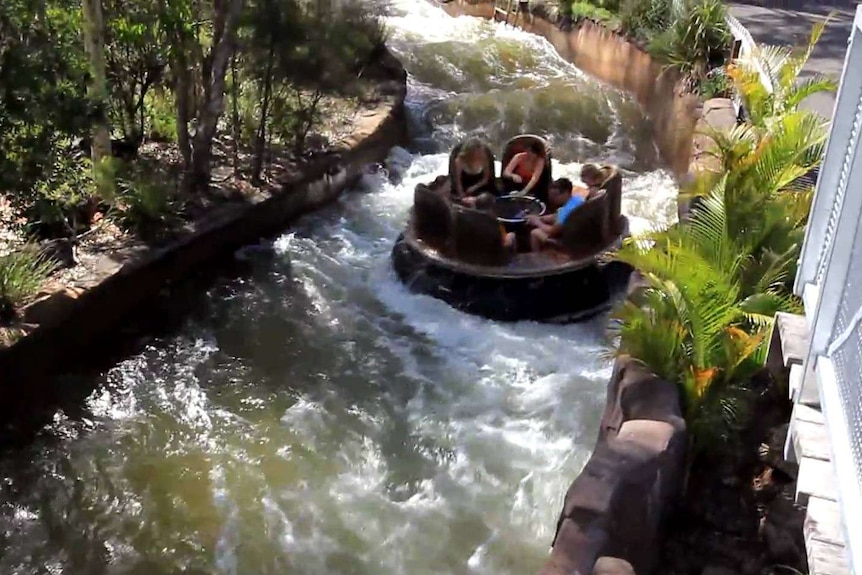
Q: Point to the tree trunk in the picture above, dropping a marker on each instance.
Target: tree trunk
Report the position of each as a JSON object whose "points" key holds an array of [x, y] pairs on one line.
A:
{"points": [[235, 131], [142, 118], [182, 94], [94, 42], [306, 118], [213, 106], [260, 140]]}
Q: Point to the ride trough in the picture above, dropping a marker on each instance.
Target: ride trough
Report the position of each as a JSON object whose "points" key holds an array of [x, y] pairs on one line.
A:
{"points": [[456, 254]]}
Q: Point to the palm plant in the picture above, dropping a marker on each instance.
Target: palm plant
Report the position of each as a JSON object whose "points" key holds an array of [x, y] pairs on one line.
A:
{"points": [[760, 186], [767, 79], [714, 283], [699, 323]]}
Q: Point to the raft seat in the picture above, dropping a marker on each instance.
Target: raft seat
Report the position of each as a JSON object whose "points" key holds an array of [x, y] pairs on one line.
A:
{"points": [[613, 186], [432, 218], [596, 224], [478, 238], [587, 228]]}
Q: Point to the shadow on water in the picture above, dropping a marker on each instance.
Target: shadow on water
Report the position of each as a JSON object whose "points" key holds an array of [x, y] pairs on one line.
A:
{"points": [[156, 320]]}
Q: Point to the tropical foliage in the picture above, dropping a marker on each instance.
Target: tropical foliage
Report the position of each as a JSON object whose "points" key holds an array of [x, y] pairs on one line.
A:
{"points": [[697, 38], [87, 82], [714, 283], [691, 36]]}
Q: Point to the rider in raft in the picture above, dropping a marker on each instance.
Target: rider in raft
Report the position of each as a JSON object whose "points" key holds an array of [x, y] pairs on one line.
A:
{"points": [[525, 169], [566, 198], [472, 174]]}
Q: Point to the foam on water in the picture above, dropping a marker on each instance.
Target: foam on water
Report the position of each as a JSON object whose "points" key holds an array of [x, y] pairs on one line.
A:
{"points": [[320, 418]]}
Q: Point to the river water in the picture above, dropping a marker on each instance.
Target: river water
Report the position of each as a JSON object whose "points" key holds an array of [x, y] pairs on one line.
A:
{"points": [[320, 419]]}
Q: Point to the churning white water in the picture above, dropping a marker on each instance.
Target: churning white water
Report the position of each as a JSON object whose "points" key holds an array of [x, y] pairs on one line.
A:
{"points": [[319, 418]]}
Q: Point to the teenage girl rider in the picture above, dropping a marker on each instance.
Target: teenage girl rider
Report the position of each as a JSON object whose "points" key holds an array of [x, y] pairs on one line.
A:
{"points": [[472, 173], [525, 169]]}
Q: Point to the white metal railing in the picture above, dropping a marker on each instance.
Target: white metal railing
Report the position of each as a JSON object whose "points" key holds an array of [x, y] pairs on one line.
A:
{"points": [[833, 181], [829, 280], [747, 47]]}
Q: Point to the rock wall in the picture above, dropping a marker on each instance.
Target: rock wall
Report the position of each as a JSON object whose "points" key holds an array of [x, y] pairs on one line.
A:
{"points": [[617, 506], [612, 59], [716, 114], [73, 318]]}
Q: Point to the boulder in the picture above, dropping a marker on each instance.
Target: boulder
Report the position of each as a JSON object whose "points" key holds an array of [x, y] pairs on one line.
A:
{"points": [[636, 393], [576, 550], [624, 491], [612, 566], [62, 250], [618, 504]]}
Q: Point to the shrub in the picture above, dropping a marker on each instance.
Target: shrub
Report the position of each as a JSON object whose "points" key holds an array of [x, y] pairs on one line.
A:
{"points": [[161, 123], [22, 274], [60, 203], [716, 84], [147, 205], [697, 40], [643, 19], [595, 11]]}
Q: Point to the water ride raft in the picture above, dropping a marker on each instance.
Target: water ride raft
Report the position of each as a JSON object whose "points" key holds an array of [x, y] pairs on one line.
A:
{"points": [[455, 253]]}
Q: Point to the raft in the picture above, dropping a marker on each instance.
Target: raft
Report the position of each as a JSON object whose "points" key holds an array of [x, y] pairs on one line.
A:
{"points": [[455, 254]]}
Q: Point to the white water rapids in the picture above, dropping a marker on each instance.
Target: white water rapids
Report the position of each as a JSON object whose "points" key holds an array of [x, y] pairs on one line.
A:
{"points": [[319, 418]]}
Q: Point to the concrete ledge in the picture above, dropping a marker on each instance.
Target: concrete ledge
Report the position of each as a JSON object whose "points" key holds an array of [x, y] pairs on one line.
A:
{"points": [[84, 315], [617, 506]]}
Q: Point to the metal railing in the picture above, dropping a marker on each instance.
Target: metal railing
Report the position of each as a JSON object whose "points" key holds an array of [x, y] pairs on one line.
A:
{"points": [[829, 279], [745, 47]]}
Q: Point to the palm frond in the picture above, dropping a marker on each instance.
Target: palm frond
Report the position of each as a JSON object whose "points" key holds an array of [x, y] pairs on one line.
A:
{"points": [[806, 88]]}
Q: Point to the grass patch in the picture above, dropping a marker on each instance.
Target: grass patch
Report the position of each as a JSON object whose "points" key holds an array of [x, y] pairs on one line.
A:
{"points": [[22, 274]]}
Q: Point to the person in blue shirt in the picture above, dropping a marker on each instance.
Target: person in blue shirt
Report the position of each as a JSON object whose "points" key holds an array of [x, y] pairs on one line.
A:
{"points": [[567, 198]]}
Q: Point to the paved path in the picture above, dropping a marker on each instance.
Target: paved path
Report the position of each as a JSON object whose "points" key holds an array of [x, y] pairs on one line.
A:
{"points": [[789, 22]]}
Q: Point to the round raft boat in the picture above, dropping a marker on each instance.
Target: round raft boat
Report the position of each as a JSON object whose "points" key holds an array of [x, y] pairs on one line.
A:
{"points": [[456, 254]]}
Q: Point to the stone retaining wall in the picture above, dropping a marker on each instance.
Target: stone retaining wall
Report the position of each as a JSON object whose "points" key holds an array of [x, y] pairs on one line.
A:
{"points": [[80, 316], [618, 504], [612, 59]]}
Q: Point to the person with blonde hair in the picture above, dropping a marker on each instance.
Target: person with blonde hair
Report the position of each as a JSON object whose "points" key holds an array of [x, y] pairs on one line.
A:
{"points": [[473, 171], [593, 176]]}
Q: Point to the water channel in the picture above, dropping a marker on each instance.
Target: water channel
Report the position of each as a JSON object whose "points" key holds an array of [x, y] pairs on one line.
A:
{"points": [[320, 419]]}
